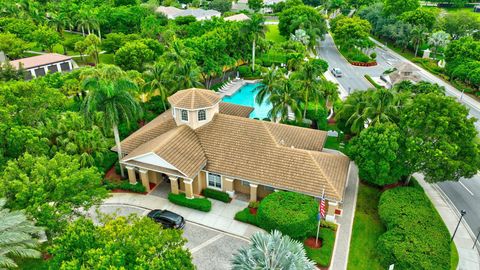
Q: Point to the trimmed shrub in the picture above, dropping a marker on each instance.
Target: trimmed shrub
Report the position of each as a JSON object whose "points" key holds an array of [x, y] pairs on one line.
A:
{"points": [[107, 161], [125, 185], [416, 236], [216, 194], [247, 217], [291, 213], [318, 114], [201, 204], [246, 71]]}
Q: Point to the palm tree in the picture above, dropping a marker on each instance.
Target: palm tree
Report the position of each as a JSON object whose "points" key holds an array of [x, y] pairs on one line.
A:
{"points": [[329, 91], [417, 36], [269, 81], [309, 78], [381, 107], [185, 74], [284, 100], [272, 251], [254, 28], [439, 39], [114, 99], [351, 115], [157, 83], [16, 237]]}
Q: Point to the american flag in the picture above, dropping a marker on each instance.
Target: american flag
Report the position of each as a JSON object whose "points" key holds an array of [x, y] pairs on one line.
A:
{"points": [[322, 208]]}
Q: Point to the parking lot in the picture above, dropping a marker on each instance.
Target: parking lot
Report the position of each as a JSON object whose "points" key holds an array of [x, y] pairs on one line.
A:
{"points": [[210, 248]]}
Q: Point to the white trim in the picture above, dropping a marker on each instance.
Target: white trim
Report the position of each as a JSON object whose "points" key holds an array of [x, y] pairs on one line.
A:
{"points": [[129, 167], [187, 181], [152, 158], [229, 179], [214, 187], [209, 107], [198, 115], [138, 166], [143, 171], [253, 185], [181, 115]]}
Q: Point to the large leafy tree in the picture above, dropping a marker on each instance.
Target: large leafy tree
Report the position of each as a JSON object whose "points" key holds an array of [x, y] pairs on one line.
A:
{"points": [[461, 24], [157, 81], [272, 251], [302, 17], [13, 46], [113, 98], [17, 237], [352, 32], [134, 55], [440, 138], [397, 7], [377, 153], [51, 190], [121, 243], [420, 17], [45, 37]]}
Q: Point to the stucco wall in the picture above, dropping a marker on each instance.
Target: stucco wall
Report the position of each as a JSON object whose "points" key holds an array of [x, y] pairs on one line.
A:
{"points": [[193, 116]]}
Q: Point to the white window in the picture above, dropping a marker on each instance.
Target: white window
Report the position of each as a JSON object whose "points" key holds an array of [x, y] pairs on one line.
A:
{"points": [[184, 115], [202, 115], [214, 180]]}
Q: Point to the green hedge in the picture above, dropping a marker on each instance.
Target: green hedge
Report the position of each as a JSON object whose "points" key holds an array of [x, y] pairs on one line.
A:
{"points": [[125, 185], [416, 236], [322, 256], [376, 85], [246, 71], [107, 161], [247, 217], [318, 114], [291, 213], [216, 194], [201, 204]]}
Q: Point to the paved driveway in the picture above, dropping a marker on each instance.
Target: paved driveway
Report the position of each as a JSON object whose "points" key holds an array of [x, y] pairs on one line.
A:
{"points": [[211, 249]]}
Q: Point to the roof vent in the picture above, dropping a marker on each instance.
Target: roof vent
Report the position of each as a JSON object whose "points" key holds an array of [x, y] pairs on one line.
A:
{"points": [[282, 142]]}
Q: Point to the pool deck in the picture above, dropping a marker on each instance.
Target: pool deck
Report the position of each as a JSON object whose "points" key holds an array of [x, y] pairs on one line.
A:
{"points": [[233, 86]]}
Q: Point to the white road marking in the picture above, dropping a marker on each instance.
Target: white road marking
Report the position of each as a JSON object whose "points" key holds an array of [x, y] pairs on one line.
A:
{"points": [[471, 193], [206, 243]]}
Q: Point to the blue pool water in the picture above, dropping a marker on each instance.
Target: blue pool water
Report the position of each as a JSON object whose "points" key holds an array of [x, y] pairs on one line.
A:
{"points": [[246, 96]]}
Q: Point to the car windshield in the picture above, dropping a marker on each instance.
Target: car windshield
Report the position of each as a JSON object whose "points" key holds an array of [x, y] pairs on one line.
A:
{"points": [[171, 216]]}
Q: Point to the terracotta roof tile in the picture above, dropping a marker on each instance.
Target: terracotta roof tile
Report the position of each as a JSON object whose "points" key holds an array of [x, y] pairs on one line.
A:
{"points": [[194, 98], [234, 109]]}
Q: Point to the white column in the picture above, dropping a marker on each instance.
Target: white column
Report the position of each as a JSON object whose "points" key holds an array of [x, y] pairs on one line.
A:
{"points": [[131, 175], [188, 188], [173, 184], [229, 186], [145, 181], [253, 192]]}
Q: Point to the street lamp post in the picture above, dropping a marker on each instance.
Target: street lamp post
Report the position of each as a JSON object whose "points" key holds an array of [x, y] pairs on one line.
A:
{"points": [[462, 213], [461, 96]]}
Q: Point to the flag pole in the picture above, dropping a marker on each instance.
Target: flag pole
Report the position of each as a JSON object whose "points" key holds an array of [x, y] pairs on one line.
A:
{"points": [[319, 221]]}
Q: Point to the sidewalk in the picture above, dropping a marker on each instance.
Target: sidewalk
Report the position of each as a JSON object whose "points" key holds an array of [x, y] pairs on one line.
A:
{"points": [[344, 232], [220, 217], [469, 259]]}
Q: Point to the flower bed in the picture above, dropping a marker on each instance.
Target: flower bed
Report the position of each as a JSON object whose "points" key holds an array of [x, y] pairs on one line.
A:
{"points": [[361, 64], [124, 186]]}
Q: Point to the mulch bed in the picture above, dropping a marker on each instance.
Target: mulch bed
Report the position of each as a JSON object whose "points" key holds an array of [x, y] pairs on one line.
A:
{"points": [[310, 242], [112, 175], [253, 211], [387, 187], [361, 64]]}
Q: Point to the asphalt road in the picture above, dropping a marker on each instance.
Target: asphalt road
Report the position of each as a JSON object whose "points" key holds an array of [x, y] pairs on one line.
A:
{"points": [[211, 249], [464, 194]]}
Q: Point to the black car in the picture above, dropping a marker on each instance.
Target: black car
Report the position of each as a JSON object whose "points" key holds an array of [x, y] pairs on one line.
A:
{"points": [[167, 218]]}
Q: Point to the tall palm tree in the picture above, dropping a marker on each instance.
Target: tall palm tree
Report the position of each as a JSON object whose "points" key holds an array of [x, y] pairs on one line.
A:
{"points": [[269, 81], [381, 107], [309, 79], [114, 99], [157, 83], [255, 29], [16, 237], [272, 251], [417, 36], [351, 116], [185, 75], [329, 91], [284, 100]]}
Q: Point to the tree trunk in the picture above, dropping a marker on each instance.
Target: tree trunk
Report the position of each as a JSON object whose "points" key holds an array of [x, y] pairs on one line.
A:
{"points": [[253, 54], [88, 29], [99, 34], [408, 179], [306, 105], [83, 31], [416, 48], [119, 147]]}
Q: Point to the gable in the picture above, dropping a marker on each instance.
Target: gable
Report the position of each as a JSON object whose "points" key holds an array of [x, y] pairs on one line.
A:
{"points": [[154, 159]]}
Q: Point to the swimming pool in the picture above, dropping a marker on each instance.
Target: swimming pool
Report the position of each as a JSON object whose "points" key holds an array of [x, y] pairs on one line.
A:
{"points": [[246, 96]]}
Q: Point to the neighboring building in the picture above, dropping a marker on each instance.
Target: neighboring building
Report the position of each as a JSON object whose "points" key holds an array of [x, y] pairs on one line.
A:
{"points": [[237, 18], [205, 143], [476, 8], [40, 65], [403, 72], [199, 14]]}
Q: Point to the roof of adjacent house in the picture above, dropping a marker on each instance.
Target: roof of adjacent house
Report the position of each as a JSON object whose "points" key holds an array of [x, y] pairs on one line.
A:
{"points": [[196, 99], [39, 60], [404, 71], [198, 13], [276, 155], [237, 18]]}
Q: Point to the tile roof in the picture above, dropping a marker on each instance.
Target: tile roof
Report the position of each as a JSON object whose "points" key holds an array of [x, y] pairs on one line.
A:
{"points": [[194, 98], [198, 13], [39, 60], [237, 18], [234, 109], [280, 156]]}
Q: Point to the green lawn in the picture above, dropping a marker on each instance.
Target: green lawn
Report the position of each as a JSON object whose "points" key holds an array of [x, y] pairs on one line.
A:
{"points": [[273, 33], [367, 227]]}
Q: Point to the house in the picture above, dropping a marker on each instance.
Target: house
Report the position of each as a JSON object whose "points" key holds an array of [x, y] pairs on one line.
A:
{"points": [[199, 14], [40, 65], [202, 142], [403, 72], [237, 18]]}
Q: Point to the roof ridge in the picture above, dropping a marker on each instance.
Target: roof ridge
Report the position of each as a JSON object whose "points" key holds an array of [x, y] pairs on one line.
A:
{"points": [[270, 133], [327, 177]]}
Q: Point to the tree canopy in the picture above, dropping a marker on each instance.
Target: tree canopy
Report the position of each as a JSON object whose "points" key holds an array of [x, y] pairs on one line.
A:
{"points": [[302, 17]]}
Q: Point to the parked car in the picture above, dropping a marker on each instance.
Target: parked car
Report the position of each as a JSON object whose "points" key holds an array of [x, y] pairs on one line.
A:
{"points": [[167, 218], [337, 72]]}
